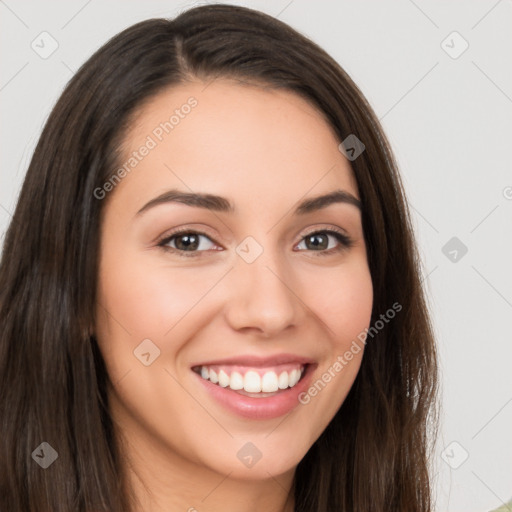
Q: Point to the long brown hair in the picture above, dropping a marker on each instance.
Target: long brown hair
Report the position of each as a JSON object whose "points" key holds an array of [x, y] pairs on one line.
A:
{"points": [[373, 456]]}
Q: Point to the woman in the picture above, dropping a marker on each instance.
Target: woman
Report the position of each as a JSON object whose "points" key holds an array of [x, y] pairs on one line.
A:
{"points": [[210, 291]]}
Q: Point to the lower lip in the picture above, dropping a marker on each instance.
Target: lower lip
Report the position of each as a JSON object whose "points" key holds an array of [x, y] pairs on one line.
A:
{"points": [[262, 408]]}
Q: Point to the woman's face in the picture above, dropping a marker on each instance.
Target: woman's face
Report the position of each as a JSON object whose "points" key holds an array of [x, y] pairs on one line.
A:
{"points": [[249, 293]]}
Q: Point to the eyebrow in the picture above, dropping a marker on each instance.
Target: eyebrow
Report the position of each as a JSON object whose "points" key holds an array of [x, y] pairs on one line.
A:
{"points": [[221, 204]]}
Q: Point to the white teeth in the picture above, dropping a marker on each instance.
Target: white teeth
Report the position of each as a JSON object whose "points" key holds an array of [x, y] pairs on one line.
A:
{"points": [[236, 381], [294, 378], [223, 379], [269, 382], [252, 382], [283, 380]]}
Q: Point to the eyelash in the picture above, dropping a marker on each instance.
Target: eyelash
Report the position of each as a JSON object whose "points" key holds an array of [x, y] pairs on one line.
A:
{"points": [[345, 242]]}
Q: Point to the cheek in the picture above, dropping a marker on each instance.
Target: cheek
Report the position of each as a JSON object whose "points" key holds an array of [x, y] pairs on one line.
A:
{"points": [[343, 301], [141, 298], [149, 299]]}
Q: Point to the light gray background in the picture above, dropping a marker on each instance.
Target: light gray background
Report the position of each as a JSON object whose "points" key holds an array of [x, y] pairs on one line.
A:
{"points": [[448, 120]]}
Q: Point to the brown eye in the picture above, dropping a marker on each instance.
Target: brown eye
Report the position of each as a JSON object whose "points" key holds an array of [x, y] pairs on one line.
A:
{"points": [[187, 242], [318, 241]]}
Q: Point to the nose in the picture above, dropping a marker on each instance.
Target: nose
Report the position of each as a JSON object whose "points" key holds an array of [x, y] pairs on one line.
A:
{"points": [[262, 297]]}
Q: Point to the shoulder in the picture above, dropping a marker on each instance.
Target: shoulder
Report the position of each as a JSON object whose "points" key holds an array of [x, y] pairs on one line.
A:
{"points": [[506, 507]]}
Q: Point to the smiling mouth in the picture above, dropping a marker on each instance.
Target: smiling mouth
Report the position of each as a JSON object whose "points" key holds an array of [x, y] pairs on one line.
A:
{"points": [[253, 382]]}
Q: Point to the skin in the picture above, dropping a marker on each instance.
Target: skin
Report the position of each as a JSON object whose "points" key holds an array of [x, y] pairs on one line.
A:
{"points": [[265, 151]]}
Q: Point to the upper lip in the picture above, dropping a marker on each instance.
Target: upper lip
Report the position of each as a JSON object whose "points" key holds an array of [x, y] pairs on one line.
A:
{"points": [[258, 361]]}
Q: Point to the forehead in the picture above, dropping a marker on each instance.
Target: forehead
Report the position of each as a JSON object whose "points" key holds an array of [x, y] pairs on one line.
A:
{"points": [[242, 141]]}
